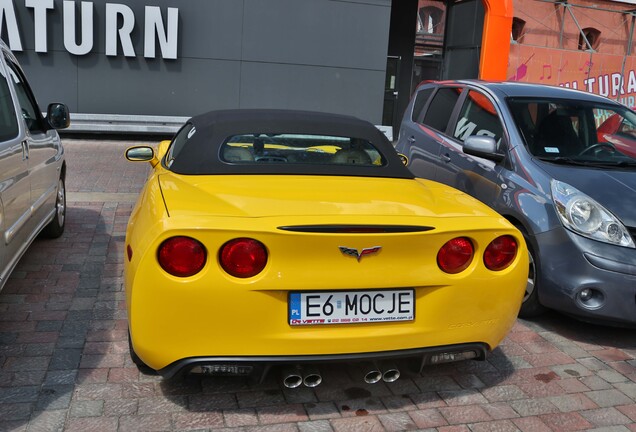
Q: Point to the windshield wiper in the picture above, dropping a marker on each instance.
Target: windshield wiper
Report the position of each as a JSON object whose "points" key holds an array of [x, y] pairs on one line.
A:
{"points": [[562, 160], [618, 164]]}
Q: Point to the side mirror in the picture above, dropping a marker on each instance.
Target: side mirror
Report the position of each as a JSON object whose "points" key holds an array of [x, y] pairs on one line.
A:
{"points": [[58, 116], [140, 154], [482, 146]]}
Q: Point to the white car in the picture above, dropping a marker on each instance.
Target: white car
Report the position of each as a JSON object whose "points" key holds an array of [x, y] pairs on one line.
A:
{"points": [[32, 167]]}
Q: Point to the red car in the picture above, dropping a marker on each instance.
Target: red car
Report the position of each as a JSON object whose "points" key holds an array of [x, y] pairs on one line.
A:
{"points": [[620, 132]]}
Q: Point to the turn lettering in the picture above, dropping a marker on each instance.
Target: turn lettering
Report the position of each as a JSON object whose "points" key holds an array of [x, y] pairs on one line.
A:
{"points": [[119, 27]]}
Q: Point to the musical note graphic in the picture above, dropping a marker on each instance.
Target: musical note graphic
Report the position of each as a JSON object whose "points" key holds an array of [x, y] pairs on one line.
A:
{"points": [[547, 67], [564, 65]]}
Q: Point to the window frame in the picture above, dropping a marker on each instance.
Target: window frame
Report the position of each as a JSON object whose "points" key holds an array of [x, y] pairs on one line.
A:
{"points": [[24, 94], [11, 107]]}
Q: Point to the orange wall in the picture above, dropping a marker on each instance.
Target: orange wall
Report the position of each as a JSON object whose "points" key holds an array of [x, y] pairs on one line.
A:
{"points": [[543, 24], [546, 55], [538, 58]]}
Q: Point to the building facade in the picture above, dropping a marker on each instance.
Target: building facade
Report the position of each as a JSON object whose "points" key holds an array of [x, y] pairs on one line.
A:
{"points": [[171, 58], [181, 58], [583, 44]]}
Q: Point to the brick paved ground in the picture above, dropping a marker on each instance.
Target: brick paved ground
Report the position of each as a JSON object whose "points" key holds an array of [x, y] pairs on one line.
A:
{"points": [[64, 361]]}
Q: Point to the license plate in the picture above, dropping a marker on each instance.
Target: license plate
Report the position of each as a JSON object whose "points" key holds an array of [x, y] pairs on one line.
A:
{"points": [[351, 307]]}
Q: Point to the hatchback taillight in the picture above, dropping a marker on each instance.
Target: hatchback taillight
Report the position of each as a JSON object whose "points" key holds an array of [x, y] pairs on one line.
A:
{"points": [[182, 256], [456, 255], [243, 257], [500, 253]]}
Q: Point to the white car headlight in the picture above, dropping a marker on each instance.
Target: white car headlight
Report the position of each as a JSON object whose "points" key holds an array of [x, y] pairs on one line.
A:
{"points": [[586, 217]]}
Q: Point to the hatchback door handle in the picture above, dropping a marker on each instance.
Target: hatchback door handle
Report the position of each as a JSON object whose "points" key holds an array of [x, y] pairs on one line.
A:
{"points": [[25, 150], [445, 158], [411, 139]]}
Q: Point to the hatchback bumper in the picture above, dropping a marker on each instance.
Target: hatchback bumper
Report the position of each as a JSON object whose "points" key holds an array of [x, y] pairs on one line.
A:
{"points": [[591, 280]]}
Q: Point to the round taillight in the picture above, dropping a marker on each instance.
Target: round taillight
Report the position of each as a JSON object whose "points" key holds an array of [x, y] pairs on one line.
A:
{"points": [[243, 257], [456, 255], [181, 256], [500, 253]]}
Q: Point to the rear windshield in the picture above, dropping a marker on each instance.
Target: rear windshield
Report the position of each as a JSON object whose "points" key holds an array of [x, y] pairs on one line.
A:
{"points": [[282, 142], [256, 148]]}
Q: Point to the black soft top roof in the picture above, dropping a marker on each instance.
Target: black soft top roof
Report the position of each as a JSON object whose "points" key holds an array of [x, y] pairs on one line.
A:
{"points": [[200, 154]]}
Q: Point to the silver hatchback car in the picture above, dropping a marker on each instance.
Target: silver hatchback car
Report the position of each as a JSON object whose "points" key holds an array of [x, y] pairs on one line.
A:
{"points": [[32, 166], [558, 163]]}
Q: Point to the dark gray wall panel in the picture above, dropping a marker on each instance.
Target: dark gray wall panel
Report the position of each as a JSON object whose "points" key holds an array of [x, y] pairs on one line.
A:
{"points": [[345, 91], [317, 32], [365, 2], [122, 87], [327, 55], [211, 28], [52, 77]]}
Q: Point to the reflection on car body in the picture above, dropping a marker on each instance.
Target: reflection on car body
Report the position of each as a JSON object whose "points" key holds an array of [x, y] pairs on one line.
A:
{"points": [[558, 164], [32, 166], [280, 238], [620, 132]]}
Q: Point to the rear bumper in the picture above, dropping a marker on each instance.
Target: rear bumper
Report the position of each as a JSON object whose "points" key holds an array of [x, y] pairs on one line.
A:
{"points": [[259, 366]]}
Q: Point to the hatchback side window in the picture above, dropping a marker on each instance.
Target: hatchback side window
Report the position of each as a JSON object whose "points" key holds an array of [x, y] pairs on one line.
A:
{"points": [[441, 107], [30, 110], [420, 102], [478, 116], [8, 120]]}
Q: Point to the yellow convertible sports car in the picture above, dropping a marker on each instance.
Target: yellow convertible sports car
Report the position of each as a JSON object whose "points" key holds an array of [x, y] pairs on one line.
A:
{"points": [[280, 238]]}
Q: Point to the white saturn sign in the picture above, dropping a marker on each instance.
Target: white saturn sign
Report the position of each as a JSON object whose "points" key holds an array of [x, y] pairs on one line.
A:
{"points": [[119, 25]]}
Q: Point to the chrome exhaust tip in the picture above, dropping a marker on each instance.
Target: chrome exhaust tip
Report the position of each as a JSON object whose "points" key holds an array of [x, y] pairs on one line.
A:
{"points": [[312, 378], [390, 372], [373, 373], [292, 377]]}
